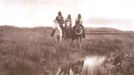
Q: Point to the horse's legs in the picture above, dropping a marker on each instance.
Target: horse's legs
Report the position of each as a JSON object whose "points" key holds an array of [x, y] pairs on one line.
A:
{"points": [[59, 72], [77, 42], [80, 41], [67, 34], [53, 31], [71, 72], [60, 38]]}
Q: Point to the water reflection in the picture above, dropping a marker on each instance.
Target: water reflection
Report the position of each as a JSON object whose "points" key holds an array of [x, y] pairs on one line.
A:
{"points": [[92, 64]]}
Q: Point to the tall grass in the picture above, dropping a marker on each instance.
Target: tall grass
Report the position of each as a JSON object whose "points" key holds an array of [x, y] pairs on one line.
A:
{"points": [[25, 51]]}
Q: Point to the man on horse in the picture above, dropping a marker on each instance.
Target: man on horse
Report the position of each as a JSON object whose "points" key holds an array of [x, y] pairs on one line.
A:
{"points": [[68, 20], [60, 20], [79, 22], [68, 26]]}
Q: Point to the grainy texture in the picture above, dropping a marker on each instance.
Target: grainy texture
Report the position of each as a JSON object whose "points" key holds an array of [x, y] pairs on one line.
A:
{"points": [[31, 51]]}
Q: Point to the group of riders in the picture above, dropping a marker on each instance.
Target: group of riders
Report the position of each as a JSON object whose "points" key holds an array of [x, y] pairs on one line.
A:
{"points": [[62, 22]]}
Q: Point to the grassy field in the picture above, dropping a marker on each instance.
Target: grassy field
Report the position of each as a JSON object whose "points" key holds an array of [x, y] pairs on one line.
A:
{"points": [[31, 51]]}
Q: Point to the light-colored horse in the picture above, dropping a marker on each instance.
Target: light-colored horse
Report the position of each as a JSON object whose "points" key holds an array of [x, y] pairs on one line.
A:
{"points": [[68, 30], [58, 31]]}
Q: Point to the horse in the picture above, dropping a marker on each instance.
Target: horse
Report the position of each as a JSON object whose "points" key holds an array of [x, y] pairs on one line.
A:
{"points": [[58, 31], [77, 33], [68, 30], [87, 66]]}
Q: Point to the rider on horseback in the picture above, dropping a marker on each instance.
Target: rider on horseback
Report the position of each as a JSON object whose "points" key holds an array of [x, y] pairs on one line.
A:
{"points": [[68, 26], [68, 20], [78, 21], [60, 20]]}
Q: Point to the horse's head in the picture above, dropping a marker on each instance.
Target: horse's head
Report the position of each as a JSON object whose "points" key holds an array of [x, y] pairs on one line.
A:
{"points": [[78, 30], [67, 25], [55, 21]]}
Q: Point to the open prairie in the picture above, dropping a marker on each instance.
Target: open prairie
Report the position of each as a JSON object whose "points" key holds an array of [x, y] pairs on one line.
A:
{"points": [[31, 51]]}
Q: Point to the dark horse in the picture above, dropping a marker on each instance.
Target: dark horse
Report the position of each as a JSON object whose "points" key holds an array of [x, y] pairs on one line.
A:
{"points": [[77, 33]]}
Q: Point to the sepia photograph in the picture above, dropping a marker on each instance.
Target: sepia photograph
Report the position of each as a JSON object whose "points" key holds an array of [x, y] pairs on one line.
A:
{"points": [[66, 37]]}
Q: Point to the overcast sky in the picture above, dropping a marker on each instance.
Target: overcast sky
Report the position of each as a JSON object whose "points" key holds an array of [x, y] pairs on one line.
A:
{"points": [[95, 13]]}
